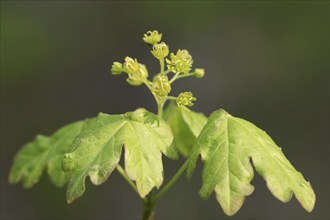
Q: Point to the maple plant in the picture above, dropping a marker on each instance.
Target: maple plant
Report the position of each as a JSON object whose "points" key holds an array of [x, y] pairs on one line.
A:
{"points": [[229, 146]]}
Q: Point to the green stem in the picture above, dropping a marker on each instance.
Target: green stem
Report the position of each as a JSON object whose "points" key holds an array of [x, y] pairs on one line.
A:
{"points": [[187, 75], [150, 202], [165, 72], [160, 102], [174, 78], [148, 84], [148, 207], [177, 76], [171, 182], [160, 105], [162, 65], [171, 98], [128, 180]]}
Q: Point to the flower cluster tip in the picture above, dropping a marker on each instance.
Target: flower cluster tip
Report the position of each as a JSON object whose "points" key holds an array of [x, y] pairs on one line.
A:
{"points": [[179, 64]]}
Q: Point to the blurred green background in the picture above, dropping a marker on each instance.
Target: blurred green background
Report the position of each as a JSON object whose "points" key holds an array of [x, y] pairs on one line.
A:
{"points": [[267, 62]]}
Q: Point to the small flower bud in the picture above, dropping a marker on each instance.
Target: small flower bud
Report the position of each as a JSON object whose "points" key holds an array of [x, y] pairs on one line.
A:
{"points": [[180, 62], [116, 68], [152, 37], [199, 73], [160, 51], [185, 99], [136, 79], [131, 66], [161, 85]]}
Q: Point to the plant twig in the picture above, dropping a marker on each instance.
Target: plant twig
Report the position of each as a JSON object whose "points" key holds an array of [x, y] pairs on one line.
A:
{"points": [[148, 207], [171, 182], [128, 180]]}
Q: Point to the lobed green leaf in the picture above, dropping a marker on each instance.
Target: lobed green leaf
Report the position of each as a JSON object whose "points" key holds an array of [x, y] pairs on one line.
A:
{"points": [[43, 152], [226, 145], [186, 126], [98, 151]]}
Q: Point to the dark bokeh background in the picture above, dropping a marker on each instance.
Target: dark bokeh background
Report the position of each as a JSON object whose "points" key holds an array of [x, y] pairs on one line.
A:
{"points": [[267, 62]]}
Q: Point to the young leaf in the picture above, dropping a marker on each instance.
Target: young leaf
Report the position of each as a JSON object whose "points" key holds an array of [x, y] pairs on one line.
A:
{"points": [[44, 152], [226, 145], [186, 126], [98, 150]]}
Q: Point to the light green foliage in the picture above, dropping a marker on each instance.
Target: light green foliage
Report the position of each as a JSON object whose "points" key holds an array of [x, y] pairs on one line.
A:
{"points": [[44, 152], [226, 145], [186, 126], [150, 118], [98, 150]]}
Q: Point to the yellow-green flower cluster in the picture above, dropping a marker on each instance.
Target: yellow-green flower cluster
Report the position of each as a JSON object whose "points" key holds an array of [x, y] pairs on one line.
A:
{"points": [[152, 37], [161, 86], [137, 72], [180, 62], [160, 51], [131, 66], [117, 68], [139, 77], [185, 99]]}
